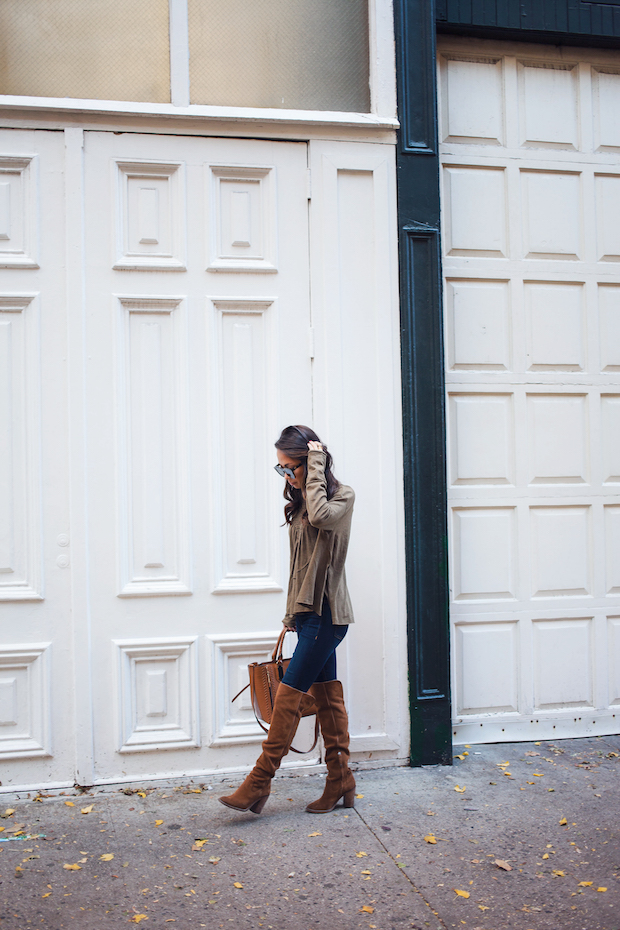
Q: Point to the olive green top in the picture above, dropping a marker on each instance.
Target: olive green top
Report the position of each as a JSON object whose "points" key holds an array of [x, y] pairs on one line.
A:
{"points": [[319, 544]]}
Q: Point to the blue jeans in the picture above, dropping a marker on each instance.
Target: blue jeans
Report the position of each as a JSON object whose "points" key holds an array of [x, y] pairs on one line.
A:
{"points": [[314, 658]]}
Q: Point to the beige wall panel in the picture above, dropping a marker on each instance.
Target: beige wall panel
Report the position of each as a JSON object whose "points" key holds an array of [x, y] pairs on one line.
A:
{"points": [[487, 657], [479, 325], [472, 100], [558, 439], [555, 319], [482, 433], [552, 214], [556, 126], [484, 553], [563, 662], [475, 211]]}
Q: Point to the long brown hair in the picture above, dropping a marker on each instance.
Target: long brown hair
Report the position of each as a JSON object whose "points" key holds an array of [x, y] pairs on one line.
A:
{"points": [[294, 441]]}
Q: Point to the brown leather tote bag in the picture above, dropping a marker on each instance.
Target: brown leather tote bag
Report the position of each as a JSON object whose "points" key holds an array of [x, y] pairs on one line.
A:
{"points": [[265, 678]]}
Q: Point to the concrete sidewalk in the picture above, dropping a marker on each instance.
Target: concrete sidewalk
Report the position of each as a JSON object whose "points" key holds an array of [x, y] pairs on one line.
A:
{"points": [[521, 836]]}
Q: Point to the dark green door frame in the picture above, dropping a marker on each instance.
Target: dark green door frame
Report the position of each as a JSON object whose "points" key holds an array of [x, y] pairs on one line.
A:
{"points": [[423, 385], [569, 22]]}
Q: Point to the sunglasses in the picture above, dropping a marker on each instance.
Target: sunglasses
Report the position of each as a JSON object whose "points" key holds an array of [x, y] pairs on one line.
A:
{"points": [[287, 472]]}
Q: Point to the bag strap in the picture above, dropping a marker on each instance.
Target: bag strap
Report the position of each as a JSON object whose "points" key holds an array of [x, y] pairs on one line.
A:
{"points": [[265, 729]]}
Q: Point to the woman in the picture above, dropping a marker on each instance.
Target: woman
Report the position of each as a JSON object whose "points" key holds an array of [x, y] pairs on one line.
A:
{"points": [[318, 512]]}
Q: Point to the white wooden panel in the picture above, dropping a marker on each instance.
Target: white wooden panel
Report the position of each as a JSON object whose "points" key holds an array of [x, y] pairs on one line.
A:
{"points": [[555, 319], [25, 705], [563, 663], [551, 214], [230, 656], [484, 553], [557, 439], [609, 326], [158, 698], [557, 125], [606, 91], [607, 187], [154, 543], [610, 435], [475, 210], [487, 661], [613, 653], [612, 549], [479, 325], [150, 224], [481, 436], [244, 538], [20, 460], [18, 212], [561, 551], [356, 381], [472, 100], [243, 219]]}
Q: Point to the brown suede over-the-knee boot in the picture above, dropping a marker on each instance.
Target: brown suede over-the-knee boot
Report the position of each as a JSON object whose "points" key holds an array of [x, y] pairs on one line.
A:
{"points": [[334, 724], [287, 711]]}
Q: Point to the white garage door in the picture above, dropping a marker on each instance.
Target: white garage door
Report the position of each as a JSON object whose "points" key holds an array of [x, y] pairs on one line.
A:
{"points": [[531, 232]]}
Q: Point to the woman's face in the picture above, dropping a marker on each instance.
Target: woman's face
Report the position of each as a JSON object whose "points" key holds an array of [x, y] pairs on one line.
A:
{"points": [[287, 462]]}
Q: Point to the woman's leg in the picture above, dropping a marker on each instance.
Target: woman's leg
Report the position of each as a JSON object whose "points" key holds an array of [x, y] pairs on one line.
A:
{"points": [[314, 658]]}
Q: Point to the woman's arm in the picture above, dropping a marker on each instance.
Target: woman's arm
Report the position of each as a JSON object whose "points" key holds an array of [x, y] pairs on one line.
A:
{"points": [[323, 513]]}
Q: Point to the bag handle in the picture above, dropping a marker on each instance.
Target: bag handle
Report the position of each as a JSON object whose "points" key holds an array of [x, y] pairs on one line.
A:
{"points": [[276, 656]]}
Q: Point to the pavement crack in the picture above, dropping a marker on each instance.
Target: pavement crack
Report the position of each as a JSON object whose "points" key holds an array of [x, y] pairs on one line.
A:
{"points": [[401, 870]]}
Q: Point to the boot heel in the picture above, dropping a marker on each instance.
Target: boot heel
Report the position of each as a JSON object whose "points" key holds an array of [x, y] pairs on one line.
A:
{"points": [[258, 806], [349, 798]]}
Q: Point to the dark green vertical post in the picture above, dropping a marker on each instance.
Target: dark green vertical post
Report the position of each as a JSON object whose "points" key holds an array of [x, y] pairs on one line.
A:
{"points": [[423, 384]]}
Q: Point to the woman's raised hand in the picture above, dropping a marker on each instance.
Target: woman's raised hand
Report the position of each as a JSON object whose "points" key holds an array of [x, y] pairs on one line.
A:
{"points": [[314, 446]]}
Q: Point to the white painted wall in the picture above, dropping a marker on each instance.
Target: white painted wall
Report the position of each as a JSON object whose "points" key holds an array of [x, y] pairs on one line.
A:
{"points": [[147, 565]]}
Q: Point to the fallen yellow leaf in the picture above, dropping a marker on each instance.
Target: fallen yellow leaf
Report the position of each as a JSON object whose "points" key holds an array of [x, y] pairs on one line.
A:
{"points": [[88, 810], [509, 774], [366, 872], [107, 857], [360, 855], [559, 872], [545, 855], [460, 757], [502, 864], [214, 859], [69, 803], [367, 910], [430, 839], [462, 894], [198, 844], [46, 895], [563, 822], [137, 918], [9, 811], [315, 834], [141, 794], [71, 868], [585, 884], [601, 889], [158, 823], [460, 790], [539, 774], [531, 782], [482, 907], [237, 885], [359, 795]]}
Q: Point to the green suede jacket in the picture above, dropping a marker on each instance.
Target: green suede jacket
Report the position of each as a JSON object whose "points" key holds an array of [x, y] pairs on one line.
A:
{"points": [[319, 544]]}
